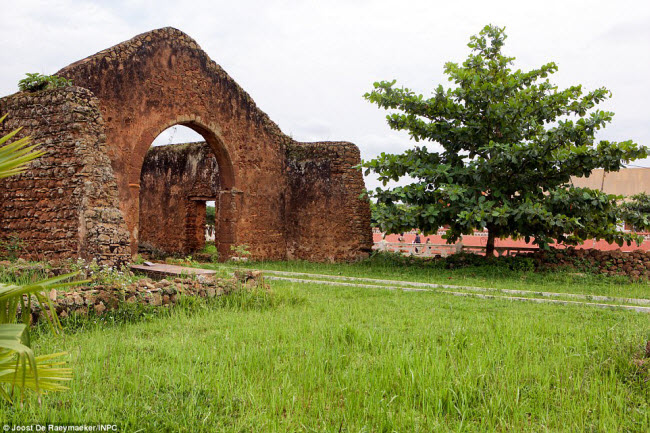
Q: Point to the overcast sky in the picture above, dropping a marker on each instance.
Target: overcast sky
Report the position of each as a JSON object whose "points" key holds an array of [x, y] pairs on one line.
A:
{"points": [[307, 63]]}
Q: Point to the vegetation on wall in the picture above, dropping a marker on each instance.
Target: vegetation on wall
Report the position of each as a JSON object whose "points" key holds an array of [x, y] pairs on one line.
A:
{"points": [[510, 143], [35, 82]]}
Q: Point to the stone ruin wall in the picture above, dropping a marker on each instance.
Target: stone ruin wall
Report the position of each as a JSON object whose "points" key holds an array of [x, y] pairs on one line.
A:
{"points": [[326, 218], [284, 199], [162, 78], [175, 183], [65, 205]]}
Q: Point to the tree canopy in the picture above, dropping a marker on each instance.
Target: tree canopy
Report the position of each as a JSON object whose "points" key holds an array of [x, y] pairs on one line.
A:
{"points": [[509, 142]]}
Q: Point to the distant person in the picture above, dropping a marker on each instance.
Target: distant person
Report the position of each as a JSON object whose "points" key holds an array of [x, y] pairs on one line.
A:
{"points": [[417, 241], [428, 243], [400, 238]]}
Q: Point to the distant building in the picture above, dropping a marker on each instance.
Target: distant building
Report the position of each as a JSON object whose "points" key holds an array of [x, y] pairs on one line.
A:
{"points": [[627, 181]]}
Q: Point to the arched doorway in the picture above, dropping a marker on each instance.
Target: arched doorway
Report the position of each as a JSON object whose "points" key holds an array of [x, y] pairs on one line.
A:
{"points": [[184, 168], [179, 177]]}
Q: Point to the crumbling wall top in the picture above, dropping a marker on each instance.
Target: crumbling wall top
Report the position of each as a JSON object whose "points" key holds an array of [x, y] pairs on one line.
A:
{"points": [[125, 57]]}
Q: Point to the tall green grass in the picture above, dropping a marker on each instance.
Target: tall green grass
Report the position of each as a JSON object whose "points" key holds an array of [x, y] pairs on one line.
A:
{"points": [[322, 358]]}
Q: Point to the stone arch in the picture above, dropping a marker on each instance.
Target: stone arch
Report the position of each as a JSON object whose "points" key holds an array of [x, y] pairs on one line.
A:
{"points": [[163, 78], [211, 136], [226, 198]]}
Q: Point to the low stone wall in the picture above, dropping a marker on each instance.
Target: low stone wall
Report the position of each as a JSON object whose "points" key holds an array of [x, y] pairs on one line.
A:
{"points": [[635, 264], [99, 299], [102, 298]]}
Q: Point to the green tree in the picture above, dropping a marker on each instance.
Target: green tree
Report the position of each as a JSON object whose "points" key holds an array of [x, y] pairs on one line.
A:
{"points": [[635, 211], [510, 143], [210, 214], [380, 212], [20, 369], [375, 209]]}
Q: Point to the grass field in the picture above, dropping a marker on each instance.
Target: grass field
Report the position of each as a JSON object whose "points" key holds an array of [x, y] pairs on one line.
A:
{"points": [[322, 358]]}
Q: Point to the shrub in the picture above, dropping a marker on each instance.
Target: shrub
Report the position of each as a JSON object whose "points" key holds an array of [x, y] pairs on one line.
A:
{"points": [[12, 247], [455, 261], [35, 82]]}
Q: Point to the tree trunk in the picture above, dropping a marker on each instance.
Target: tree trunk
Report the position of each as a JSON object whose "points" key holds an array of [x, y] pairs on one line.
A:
{"points": [[489, 247]]}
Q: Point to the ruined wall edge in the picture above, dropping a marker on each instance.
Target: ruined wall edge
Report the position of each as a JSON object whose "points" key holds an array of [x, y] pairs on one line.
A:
{"points": [[326, 218], [65, 205]]}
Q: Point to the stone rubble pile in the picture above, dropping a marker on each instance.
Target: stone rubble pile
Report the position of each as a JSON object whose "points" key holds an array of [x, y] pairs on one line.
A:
{"points": [[101, 298]]}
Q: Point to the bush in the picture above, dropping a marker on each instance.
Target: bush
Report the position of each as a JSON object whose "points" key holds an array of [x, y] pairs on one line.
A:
{"points": [[35, 82], [12, 247], [461, 260], [210, 213]]}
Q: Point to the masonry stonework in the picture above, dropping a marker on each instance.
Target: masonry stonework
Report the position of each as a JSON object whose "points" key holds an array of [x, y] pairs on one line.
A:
{"points": [[66, 204], [326, 218], [175, 183], [282, 198]]}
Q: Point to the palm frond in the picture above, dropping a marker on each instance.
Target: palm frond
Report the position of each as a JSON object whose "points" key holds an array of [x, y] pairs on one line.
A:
{"points": [[15, 155], [19, 368], [12, 295]]}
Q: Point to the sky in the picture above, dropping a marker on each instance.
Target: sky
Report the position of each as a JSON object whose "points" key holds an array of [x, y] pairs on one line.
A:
{"points": [[307, 64]]}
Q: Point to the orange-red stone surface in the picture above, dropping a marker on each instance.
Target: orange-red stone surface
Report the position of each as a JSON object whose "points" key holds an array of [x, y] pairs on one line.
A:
{"points": [[282, 198]]}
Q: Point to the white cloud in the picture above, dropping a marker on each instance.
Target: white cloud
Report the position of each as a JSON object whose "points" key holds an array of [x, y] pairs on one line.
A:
{"points": [[177, 134], [307, 64]]}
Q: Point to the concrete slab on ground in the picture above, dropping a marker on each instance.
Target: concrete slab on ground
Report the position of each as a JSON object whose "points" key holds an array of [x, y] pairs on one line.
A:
{"points": [[162, 270], [411, 286]]}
